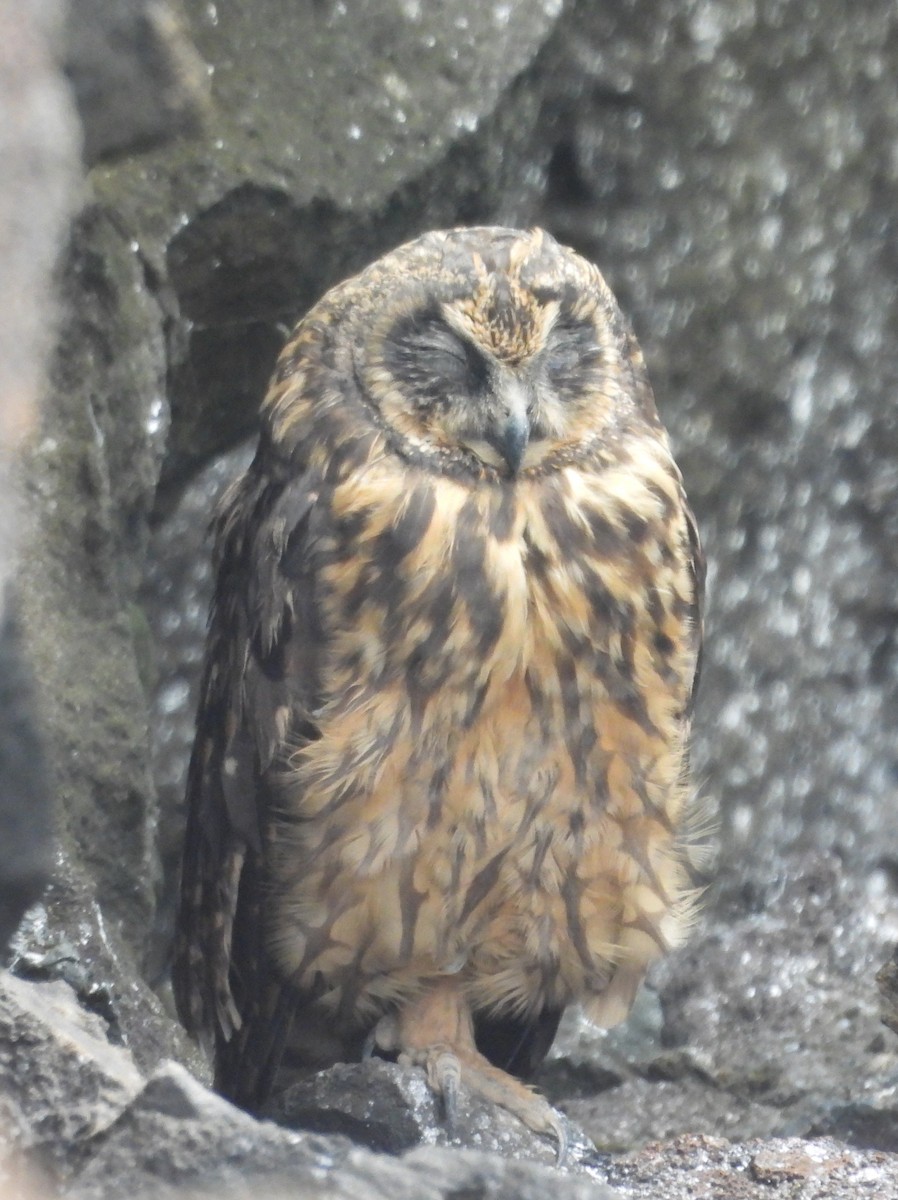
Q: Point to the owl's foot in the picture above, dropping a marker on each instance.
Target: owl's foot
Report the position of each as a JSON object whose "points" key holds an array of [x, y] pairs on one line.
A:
{"points": [[435, 1031], [449, 1066]]}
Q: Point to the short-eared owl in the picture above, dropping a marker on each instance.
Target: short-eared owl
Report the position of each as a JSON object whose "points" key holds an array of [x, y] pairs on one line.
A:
{"points": [[441, 759]]}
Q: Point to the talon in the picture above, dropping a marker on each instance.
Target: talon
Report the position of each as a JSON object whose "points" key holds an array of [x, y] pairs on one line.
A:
{"points": [[369, 1045], [443, 1077], [449, 1076], [547, 1121], [436, 1032], [559, 1130]]}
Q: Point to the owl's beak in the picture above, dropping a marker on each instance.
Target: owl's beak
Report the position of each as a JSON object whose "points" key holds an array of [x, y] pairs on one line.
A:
{"points": [[510, 437]]}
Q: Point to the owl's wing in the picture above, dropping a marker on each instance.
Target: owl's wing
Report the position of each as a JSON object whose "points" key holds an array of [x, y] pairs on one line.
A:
{"points": [[258, 690]]}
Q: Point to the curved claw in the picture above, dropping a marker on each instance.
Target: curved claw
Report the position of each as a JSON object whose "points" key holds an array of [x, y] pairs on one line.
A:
{"points": [[450, 1100], [558, 1130], [444, 1076]]}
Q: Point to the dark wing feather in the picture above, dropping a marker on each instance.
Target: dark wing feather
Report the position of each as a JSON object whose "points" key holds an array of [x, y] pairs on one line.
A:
{"points": [[258, 690]]}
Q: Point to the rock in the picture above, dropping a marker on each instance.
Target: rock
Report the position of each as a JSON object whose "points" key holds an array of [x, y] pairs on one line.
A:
{"points": [[870, 1123], [489, 1177], [693, 1167], [66, 937], [391, 1109], [61, 1083], [376, 1104], [136, 77], [90, 486], [38, 181], [887, 982], [178, 1135], [642, 1111], [25, 809]]}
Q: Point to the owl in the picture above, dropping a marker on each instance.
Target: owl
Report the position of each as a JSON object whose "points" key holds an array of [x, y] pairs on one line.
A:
{"points": [[440, 776]]}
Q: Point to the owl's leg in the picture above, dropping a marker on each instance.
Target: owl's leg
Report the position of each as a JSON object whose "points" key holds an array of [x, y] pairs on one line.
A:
{"points": [[435, 1031]]}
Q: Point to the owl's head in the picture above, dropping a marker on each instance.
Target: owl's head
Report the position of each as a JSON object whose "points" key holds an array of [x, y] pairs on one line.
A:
{"points": [[485, 351]]}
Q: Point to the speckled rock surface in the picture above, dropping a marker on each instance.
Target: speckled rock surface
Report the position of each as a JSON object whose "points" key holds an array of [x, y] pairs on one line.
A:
{"points": [[705, 1168], [90, 482]]}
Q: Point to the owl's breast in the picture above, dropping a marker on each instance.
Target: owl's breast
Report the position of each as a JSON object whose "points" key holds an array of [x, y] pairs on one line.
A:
{"points": [[502, 705], [448, 590]]}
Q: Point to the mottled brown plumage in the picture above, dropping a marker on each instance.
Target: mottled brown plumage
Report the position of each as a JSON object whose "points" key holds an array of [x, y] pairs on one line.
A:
{"points": [[440, 773]]}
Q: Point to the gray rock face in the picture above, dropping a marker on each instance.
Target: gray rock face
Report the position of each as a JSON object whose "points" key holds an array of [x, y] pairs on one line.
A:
{"points": [[62, 1082], [137, 80], [39, 155], [91, 478], [728, 167], [67, 937], [356, 118], [25, 819]]}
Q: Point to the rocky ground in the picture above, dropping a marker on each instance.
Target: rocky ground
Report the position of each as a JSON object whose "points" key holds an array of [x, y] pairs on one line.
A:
{"points": [[729, 164]]}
